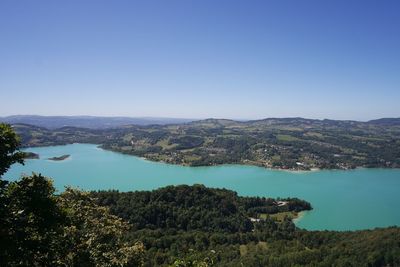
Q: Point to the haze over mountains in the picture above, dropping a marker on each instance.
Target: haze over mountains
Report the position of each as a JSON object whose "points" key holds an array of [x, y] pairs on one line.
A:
{"points": [[100, 122], [92, 122]]}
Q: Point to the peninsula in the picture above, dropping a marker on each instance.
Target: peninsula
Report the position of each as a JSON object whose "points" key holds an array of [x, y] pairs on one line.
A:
{"points": [[287, 143]]}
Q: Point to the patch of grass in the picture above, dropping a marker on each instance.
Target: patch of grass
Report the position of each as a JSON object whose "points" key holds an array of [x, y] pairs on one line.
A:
{"points": [[262, 245], [243, 250], [276, 158], [279, 216], [314, 134], [164, 144], [286, 137], [191, 158]]}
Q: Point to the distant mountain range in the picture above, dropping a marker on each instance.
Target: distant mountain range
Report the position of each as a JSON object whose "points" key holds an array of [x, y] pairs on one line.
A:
{"points": [[386, 121], [92, 122]]}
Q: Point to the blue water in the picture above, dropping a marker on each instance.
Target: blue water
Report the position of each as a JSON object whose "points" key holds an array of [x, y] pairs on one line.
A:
{"points": [[342, 200]]}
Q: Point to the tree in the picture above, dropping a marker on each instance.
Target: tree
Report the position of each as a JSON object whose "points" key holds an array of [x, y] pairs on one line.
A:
{"points": [[43, 229], [32, 224], [9, 154], [196, 259], [9, 144], [94, 237]]}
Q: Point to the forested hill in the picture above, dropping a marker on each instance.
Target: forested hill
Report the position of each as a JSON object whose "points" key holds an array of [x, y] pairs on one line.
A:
{"points": [[199, 226], [194, 208], [288, 143]]}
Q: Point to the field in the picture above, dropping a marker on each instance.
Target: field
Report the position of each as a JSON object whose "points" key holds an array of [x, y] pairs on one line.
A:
{"points": [[293, 143]]}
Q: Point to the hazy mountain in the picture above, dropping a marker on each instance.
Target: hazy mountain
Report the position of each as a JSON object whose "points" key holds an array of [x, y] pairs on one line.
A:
{"points": [[93, 122], [386, 121]]}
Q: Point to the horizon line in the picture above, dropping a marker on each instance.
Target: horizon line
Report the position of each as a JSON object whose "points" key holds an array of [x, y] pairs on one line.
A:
{"points": [[187, 118]]}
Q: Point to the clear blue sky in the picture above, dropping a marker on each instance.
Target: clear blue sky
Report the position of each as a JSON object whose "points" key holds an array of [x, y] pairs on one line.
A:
{"points": [[196, 59]]}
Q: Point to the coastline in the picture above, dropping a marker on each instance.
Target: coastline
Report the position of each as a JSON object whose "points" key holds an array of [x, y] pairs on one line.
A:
{"points": [[264, 184], [300, 216], [248, 163]]}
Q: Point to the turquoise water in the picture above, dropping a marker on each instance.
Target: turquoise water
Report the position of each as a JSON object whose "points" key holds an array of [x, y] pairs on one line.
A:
{"points": [[342, 200]]}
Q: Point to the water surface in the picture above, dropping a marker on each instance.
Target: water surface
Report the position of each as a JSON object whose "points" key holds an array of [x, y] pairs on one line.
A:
{"points": [[342, 200]]}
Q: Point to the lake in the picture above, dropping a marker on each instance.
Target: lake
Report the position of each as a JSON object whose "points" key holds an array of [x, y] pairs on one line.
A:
{"points": [[342, 200]]}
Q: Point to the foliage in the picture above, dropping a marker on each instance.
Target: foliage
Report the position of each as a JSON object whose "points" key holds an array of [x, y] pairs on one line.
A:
{"points": [[194, 207], [195, 259], [9, 143], [39, 228], [94, 237], [31, 224], [268, 242], [186, 142]]}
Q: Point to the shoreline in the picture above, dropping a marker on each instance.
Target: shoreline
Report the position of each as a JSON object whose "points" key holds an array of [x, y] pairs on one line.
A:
{"points": [[295, 171], [300, 216], [258, 191]]}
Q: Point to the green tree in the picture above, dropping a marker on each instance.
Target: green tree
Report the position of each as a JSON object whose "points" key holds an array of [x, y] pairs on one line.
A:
{"points": [[196, 259], [9, 145], [94, 237], [9, 154], [42, 229], [32, 224]]}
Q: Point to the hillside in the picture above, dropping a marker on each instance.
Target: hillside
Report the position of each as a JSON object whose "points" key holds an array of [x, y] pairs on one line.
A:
{"points": [[289, 143], [194, 208], [195, 225]]}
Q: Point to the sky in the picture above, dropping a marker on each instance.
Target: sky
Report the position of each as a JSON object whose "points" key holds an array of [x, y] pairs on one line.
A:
{"points": [[199, 59]]}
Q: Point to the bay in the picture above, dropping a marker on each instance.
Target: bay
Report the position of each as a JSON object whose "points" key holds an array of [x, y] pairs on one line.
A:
{"points": [[342, 200]]}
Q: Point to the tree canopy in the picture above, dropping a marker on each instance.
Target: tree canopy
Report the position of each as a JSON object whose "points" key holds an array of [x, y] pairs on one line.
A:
{"points": [[39, 228], [9, 145]]}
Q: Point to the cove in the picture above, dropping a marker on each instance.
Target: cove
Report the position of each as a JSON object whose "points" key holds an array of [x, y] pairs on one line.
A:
{"points": [[342, 200]]}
